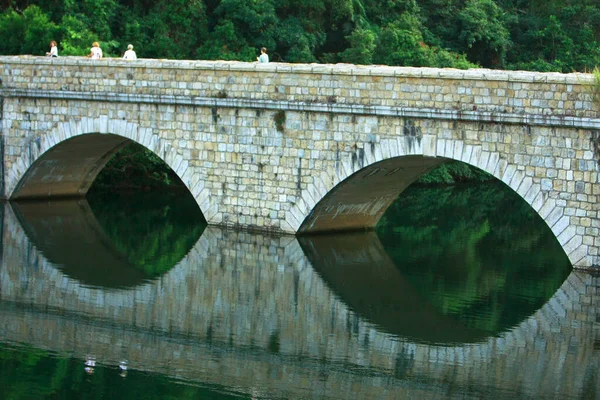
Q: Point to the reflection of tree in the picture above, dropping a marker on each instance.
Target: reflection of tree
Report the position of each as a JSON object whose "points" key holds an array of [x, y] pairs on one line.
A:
{"points": [[27, 373], [153, 231], [478, 253]]}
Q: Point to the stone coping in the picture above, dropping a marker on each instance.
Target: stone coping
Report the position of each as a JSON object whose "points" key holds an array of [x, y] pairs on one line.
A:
{"points": [[482, 74]]}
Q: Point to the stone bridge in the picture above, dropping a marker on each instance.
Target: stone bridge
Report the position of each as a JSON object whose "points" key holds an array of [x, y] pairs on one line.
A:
{"points": [[304, 148], [258, 312]]}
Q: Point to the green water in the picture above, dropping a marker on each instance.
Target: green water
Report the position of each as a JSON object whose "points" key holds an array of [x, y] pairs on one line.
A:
{"points": [[29, 373], [461, 292], [478, 254]]}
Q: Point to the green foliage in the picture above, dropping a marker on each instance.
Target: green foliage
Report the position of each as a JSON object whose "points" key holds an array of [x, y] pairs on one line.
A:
{"points": [[76, 38], [402, 43], [224, 44], [451, 243], [168, 29], [453, 172], [543, 36], [248, 26], [26, 33], [294, 43], [554, 35], [135, 167], [96, 15], [483, 33], [384, 12], [362, 46]]}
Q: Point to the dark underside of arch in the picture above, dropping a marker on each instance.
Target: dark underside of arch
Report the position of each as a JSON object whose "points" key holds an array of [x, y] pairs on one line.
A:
{"points": [[359, 201], [69, 168]]}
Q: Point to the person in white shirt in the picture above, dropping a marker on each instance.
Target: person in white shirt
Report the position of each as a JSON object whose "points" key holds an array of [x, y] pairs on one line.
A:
{"points": [[95, 51], [130, 54], [53, 50], [264, 57]]}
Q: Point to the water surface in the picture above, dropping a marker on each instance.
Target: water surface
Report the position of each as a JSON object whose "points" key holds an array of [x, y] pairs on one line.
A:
{"points": [[460, 293]]}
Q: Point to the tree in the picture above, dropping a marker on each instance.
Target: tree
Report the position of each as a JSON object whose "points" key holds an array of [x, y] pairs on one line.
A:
{"points": [[97, 15], [224, 44], [76, 38], [253, 22], [362, 46], [402, 43], [26, 33], [482, 32], [294, 43]]}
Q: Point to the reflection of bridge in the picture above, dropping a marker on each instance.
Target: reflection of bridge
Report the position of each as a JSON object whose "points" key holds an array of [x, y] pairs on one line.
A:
{"points": [[305, 148], [250, 311], [55, 226]]}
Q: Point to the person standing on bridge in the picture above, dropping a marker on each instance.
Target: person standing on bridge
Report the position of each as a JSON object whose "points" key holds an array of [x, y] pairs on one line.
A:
{"points": [[130, 54], [95, 51], [264, 57]]}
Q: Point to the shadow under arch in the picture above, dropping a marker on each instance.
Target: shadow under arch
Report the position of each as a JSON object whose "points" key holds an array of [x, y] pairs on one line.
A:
{"points": [[69, 168], [90, 249], [359, 201]]}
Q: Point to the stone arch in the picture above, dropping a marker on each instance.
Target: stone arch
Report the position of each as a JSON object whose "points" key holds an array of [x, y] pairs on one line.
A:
{"points": [[31, 175], [325, 204]]}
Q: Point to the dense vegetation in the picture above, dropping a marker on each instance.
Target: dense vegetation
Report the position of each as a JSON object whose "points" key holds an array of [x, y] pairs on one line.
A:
{"points": [[542, 35], [132, 168]]}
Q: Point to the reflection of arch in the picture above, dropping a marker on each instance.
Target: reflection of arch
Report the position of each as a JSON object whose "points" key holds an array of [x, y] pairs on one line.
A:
{"points": [[165, 326], [70, 237], [65, 160], [357, 268], [358, 191]]}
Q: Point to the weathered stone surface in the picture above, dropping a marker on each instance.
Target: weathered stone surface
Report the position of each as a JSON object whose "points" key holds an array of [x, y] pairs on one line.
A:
{"points": [[284, 147]]}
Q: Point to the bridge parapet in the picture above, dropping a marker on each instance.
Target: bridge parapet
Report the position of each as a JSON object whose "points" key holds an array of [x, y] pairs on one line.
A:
{"points": [[475, 94]]}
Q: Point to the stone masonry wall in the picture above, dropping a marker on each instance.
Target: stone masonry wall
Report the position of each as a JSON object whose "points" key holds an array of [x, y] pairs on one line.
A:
{"points": [[260, 146]]}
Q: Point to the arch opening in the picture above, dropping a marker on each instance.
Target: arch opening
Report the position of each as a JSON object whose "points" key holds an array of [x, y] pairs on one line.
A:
{"points": [[354, 197], [70, 168], [449, 264], [104, 235], [135, 168]]}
